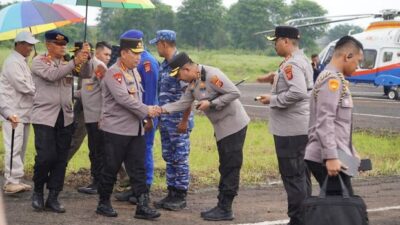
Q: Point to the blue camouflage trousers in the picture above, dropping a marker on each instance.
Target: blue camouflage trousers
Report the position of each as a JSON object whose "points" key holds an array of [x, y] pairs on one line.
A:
{"points": [[175, 152]]}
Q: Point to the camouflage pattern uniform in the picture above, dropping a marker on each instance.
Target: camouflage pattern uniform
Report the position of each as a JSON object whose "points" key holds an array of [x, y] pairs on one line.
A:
{"points": [[175, 146]]}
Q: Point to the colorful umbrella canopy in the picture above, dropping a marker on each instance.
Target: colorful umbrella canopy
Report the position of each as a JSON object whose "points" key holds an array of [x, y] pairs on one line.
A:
{"points": [[36, 17], [127, 4]]}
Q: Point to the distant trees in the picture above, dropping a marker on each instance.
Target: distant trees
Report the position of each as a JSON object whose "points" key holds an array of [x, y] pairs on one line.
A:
{"points": [[207, 24], [341, 30]]}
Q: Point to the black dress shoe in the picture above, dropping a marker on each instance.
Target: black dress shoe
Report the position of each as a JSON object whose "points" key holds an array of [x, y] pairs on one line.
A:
{"points": [[38, 201], [124, 196], [133, 200], [91, 189], [106, 210]]}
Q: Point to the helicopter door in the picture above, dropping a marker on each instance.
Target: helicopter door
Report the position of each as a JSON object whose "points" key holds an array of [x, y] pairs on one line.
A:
{"points": [[388, 71]]}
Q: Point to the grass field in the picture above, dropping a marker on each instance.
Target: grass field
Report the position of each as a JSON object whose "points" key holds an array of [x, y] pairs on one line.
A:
{"points": [[260, 164], [235, 64]]}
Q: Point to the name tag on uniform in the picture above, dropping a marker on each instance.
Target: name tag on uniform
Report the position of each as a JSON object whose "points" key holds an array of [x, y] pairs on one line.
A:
{"points": [[89, 87]]}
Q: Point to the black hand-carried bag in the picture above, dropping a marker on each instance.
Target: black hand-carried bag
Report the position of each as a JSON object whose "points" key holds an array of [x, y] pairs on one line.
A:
{"points": [[334, 209]]}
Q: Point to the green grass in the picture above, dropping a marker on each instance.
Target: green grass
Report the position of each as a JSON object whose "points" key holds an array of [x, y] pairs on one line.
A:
{"points": [[259, 164], [235, 64]]}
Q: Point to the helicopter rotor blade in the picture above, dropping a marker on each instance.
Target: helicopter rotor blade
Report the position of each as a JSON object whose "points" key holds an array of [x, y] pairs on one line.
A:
{"points": [[356, 16], [360, 16]]}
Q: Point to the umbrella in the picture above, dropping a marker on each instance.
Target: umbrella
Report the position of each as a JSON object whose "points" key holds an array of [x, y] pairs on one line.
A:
{"points": [[36, 17], [127, 4]]}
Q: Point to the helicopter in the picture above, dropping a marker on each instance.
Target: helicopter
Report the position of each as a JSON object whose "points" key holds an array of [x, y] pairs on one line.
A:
{"points": [[381, 41]]}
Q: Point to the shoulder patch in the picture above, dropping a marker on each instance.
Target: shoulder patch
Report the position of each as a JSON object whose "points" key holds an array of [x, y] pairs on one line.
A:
{"points": [[333, 85], [147, 66], [216, 81], [100, 71], [118, 77], [288, 72]]}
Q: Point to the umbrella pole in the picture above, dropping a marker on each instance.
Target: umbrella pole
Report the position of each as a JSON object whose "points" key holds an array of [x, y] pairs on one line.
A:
{"points": [[12, 149], [87, 5], [34, 47]]}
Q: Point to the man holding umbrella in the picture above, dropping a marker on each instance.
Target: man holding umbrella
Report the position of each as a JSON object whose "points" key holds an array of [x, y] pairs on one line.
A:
{"points": [[52, 118], [16, 96]]}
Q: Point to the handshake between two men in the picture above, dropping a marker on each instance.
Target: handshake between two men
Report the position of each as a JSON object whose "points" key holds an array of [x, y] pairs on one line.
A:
{"points": [[155, 111]]}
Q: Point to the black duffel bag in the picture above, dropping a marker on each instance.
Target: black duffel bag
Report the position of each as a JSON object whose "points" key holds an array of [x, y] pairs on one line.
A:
{"points": [[334, 209]]}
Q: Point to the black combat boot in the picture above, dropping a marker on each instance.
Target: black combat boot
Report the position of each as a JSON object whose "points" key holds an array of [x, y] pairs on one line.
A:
{"points": [[38, 201], [171, 193], [124, 196], [52, 202], [143, 211], [177, 202], [133, 199], [104, 207], [223, 211]]}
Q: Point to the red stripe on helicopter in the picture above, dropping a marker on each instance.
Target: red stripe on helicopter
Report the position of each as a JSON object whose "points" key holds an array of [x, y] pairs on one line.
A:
{"points": [[379, 69]]}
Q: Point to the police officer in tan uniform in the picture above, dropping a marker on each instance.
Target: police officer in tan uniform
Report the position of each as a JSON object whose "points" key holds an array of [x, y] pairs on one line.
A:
{"points": [[331, 116], [52, 118], [122, 123], [92, 103], [219, 99], [289, 116]]}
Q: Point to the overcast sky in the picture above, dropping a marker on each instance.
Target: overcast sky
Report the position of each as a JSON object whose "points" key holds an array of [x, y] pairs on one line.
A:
{"points": [[334, 7]]}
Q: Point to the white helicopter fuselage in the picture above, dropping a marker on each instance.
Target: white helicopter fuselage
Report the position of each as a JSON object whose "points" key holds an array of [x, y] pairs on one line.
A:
{"points": [[381, 64]]}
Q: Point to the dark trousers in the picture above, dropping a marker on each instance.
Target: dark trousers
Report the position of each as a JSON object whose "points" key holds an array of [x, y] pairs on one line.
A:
{"points": [[79, 131], [96, 150], [52, 144], [230, 151], [131, 151], [319, 172], [295, 176]]}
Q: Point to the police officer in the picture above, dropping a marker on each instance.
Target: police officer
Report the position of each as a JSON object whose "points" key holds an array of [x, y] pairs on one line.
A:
{"points": [[121, 120], [219, 99], [331, 116], [91, 101], [289, 116], [148, 70], [16, 93], [175, 128], [79, 132], [52, 118]]}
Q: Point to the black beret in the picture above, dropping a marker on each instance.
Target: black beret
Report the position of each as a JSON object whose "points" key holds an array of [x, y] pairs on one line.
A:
{"points": [[55, 35], [177, 62], [285, 31]]}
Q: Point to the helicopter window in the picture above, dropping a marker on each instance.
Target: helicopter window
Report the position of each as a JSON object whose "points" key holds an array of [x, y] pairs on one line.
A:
{"points": [[369, 59], [387, 56], [328, 57]]}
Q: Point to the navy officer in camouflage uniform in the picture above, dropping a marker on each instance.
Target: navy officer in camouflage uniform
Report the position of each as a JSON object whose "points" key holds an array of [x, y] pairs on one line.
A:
{"points": [[219, 99], [52, 118], [331, 116], [175, 128], [289, 116], [122, 123]]}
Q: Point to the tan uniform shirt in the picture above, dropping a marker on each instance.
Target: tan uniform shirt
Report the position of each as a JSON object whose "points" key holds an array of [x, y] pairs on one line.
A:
{"points": [[289, 106], [123, 110], [228, 115], [331, 117], [91, 91], [16, 88], [53, 81]]}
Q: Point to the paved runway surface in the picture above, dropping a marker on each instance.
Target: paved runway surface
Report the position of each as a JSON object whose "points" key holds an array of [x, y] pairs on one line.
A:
{"points": [[372, 110]]}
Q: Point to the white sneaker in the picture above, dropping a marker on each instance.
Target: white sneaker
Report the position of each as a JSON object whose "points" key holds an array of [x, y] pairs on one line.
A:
{"points": [[26, 186], [13, 188]]}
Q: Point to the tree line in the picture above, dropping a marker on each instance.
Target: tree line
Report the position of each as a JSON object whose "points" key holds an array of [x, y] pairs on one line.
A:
{"points": [[207, 24]]}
